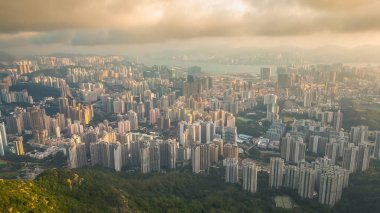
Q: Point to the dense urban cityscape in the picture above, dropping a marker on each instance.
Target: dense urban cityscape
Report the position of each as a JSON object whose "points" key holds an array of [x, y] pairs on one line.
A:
{"points": [[190, 106], [128, 117]]}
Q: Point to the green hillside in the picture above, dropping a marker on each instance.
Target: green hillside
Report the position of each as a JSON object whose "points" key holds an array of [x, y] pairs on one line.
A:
{"points": [[102, 190]]}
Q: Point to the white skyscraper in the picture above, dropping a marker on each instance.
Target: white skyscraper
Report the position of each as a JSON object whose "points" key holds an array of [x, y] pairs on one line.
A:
{"points": [[338, 119], [182, 133], [207, 132], [362, 158], [1, 147], [133, 119], [3, 139], [124, 126], [3, 134], [168, 154], [285, 146], [332, 151], [292, 150], [76, 153], [231, 170], [359, 134], [249, 176], [328, 189], [307, 99], [276, 172], [297, 150], [306, 182], [196, 159], [377, 145], [118, 156], [150, 157], [349, 158], [205, 157], [270, 99], [145, 158], [291, 177], [331, 183]]}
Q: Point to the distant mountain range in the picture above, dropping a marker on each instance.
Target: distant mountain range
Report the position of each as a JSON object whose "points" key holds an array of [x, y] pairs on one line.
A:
{"points": [[6, 57], [231, 54], [325, 54]]}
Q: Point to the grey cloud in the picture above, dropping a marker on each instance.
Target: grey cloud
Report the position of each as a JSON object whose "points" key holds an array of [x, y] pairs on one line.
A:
{"points": [[103, 22], [53, 37], [42, 15]]}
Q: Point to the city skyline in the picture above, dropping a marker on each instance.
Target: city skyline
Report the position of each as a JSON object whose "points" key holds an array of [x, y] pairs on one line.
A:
{"points": [[190, 106]]}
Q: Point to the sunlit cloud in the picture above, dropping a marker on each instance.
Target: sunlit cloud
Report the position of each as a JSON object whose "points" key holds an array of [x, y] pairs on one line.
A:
{"points": [[109, 22]]}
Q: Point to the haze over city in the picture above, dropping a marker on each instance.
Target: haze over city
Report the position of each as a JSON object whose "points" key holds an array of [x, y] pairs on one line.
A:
{"points": [[190, 106]]}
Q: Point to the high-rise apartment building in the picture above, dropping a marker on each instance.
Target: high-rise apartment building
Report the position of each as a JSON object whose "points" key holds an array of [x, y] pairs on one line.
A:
{"points": [[270, 99], [265, 73], [205, 157], [214, 153], [349, 158], [291, 179], [249, 176], [332, 152], [276, 172], [362, 158], [231, 170], [376, 152], [154, 114], [3, 139], [230, 151], [338, 120], [19, 146], [132, 117], [207, 132], [331, 183], [76, 150], [168, 154], [307, 99], [359, 134], [63, 103], [150, 157], [196, 159], [292, 149], [306, 181], [284, 79]]}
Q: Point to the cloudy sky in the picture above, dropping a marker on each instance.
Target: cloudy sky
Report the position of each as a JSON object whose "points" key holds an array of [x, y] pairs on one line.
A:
{"points": [[48, 25]]}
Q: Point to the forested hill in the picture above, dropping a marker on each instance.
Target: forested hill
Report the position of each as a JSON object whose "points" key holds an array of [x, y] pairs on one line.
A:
{"points": [[101, 190]]}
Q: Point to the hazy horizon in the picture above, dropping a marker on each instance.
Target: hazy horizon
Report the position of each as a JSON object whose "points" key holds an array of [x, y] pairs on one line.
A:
{"points": [[145, 27]]}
